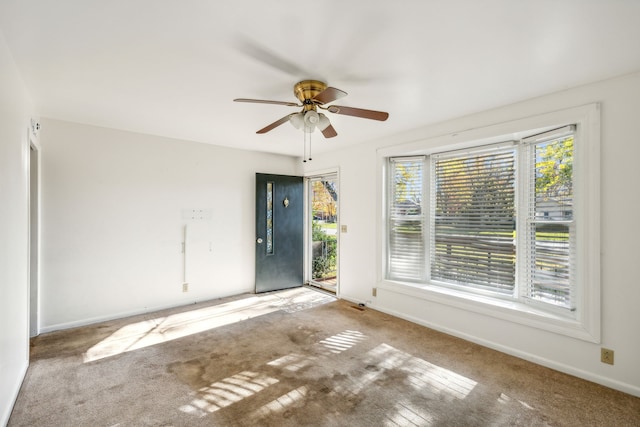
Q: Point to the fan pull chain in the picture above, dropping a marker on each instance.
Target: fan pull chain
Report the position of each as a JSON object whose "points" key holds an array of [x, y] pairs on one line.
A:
{"points": [[304, 143]]}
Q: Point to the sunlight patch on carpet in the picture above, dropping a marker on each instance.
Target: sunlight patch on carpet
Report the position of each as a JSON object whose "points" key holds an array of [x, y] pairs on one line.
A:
{"points": [[293, 362], [227, 392], [407, 414], [282, 403], [233, 389], [342, 341], [421, 375], [162, 329], [335, 344]]}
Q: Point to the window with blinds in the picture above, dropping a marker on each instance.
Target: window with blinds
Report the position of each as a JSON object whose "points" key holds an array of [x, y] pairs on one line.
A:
{"points": [[406, 219], [496, 219], [473, 219], [550, 225]]}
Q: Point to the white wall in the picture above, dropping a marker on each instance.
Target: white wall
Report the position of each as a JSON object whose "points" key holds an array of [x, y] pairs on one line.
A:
{"points": [[15, 110], [113, 224], [620, 127]]}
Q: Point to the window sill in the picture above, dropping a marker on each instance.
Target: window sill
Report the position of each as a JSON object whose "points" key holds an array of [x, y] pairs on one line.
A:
{"points": [[511, 311]]}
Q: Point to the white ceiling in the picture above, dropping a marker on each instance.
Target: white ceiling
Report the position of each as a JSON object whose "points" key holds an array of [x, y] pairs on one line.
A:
{"points": [[172, 68]]}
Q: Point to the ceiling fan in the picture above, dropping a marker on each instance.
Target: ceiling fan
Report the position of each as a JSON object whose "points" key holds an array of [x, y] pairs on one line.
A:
{"points": [[313, 95]]}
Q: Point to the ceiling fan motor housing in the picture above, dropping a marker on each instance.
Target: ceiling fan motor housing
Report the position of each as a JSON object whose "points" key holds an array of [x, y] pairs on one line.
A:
{"points": [[306, 90]]}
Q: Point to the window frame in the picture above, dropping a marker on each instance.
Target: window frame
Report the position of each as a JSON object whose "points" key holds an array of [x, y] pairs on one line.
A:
{"points": [[527, 219], [585, 325], [397, 219]]}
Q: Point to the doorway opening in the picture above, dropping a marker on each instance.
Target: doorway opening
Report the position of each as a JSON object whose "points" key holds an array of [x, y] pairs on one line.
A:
{"points": [[322, 229]]}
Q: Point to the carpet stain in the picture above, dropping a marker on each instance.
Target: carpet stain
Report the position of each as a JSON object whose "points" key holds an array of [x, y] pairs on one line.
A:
{"points": [[218, 356], [302, 335], [392, 377], [339, 377], [190, 372]]}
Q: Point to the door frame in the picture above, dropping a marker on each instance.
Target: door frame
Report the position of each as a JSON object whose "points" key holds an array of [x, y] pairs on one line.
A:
{"points": [[308, 243], [34, 209]]}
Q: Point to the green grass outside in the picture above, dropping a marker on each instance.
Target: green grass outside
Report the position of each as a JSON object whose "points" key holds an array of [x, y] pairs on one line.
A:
{"points": [[328, 225]]}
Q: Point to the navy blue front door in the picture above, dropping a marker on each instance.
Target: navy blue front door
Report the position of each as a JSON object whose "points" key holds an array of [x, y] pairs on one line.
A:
{"points": [[279, 232]]}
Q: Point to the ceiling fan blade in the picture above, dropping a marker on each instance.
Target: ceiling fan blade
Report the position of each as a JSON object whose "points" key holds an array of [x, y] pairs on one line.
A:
{"points": [[329, 132], [330, 94], [269, 57], [275, 124], [264, 101], [359, 112]]}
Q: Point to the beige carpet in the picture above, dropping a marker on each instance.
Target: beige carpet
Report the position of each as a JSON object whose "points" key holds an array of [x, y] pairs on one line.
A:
{"points": [[294, 358]]}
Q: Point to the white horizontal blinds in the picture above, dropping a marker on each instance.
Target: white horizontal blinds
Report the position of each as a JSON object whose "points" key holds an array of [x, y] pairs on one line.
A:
{"points": [[551, 226], [406, 219], [472, 241]]}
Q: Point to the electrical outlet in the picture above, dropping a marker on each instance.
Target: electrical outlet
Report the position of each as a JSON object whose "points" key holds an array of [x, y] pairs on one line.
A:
{"points": [[185, 287], [606, 356], [374, 292]]}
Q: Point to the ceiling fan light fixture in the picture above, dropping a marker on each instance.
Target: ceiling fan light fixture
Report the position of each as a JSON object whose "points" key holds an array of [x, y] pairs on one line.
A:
{"points": [[297, 120], [323, 122], [311, 118]]}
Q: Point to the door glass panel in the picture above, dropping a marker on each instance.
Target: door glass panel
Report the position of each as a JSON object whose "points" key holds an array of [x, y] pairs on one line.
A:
{"points": [[324, 232], [269, 218]]}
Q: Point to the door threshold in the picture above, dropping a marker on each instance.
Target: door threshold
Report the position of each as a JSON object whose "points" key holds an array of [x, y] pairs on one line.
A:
{"points": [[319, 287]]}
